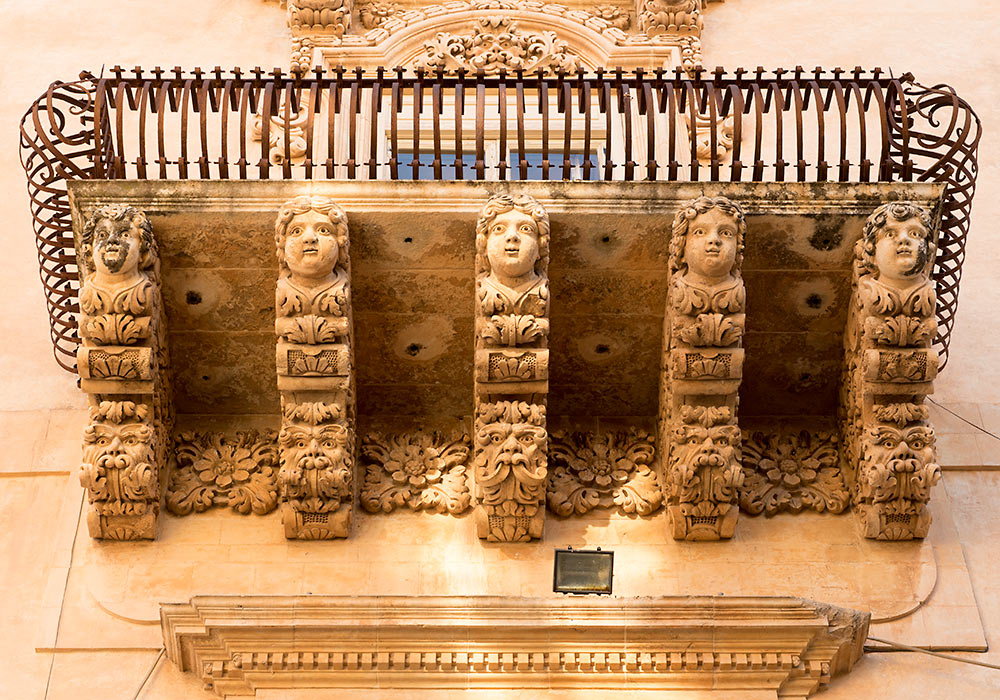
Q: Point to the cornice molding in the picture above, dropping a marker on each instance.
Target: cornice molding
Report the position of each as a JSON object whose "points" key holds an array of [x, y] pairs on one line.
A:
{"points": [[789, 646]]}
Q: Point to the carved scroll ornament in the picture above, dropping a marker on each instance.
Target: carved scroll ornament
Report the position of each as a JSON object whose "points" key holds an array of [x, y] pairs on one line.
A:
{"points": [[495, 44], [612, 469]]}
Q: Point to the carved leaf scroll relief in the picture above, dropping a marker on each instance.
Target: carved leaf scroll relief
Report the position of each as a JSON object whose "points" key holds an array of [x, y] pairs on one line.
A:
{"points": [[316, 444], [792, 470], [611, 469], [213, 469], [496, 43], [419, 471], [889, 452], [699, 438], [511, 368], [122, 361]]}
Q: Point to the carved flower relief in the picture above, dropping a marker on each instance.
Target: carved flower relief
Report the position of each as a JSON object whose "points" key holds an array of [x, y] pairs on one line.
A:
{"points": [[600, 471], [373, 14], [422, 471], [216, 470], [791, 471]]}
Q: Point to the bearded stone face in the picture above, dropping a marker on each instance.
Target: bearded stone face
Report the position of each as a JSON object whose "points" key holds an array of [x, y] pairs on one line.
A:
{"points": [[696, 449], [113, 446], [900, 450], [306, 447], [510, 449]]}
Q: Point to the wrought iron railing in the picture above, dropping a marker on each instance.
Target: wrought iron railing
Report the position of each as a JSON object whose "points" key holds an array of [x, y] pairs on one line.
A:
{"points": [[806, 126]]}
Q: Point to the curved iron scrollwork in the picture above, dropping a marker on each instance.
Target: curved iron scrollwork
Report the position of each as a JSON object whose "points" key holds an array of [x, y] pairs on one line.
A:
{"points": [[750, 126], [935, 135]]}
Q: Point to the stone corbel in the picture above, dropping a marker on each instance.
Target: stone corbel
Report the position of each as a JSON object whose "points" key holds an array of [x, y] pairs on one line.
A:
{"points": [[670, 16], [699, 436], [889, 442], [511, 368], [327, 16], [122, 363], [314, 365]]}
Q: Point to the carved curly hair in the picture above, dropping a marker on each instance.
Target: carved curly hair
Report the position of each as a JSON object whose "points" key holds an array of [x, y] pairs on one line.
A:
{"points": [[501, 204], [303, 205], [686, 214], [119, 213], [896, 211]]}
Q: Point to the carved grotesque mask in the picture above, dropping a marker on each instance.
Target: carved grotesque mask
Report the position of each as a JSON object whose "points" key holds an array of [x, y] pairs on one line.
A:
{"points": [[512, 245], [315, 447], [697, 447], [710, 245], [906, 450], [901, 249], [512, 448], [117, 247], [311, 246], [109, 445]]}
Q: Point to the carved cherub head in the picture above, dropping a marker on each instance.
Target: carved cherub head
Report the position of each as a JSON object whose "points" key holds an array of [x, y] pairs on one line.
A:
{"points": [[311, 238], [707, 239], [896, 244], [512, 238], [118, 241]]}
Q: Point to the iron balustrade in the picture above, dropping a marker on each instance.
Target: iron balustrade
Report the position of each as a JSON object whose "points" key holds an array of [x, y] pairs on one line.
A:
{"points": [[780, 125]]}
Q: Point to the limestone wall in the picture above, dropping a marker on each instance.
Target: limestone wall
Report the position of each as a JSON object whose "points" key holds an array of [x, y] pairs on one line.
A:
{"points": [[56, 636]]}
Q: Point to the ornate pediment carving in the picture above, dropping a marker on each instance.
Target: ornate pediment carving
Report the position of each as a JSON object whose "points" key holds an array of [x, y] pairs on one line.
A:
{"points": [[496, 43]]}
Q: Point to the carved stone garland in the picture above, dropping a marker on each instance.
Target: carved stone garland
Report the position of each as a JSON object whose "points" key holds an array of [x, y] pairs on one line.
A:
{"points": [[122, 363], [890, 451], [603, 470], [315, 369], [789, 470], [497, 44], [702, 367], [213, 469], [511, 368], [419, 471]]}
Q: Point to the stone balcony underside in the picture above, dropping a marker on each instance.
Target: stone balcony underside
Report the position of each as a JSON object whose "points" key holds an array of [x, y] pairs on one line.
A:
{"points": [[412, 249]]}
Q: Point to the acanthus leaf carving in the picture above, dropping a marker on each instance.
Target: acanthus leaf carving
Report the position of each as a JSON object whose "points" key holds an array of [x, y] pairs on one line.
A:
{"points": [[373, 14], [670, 16], [213, 469], [496, 43], [332, 16], [789, 470], [591, 471], [419, 471]]}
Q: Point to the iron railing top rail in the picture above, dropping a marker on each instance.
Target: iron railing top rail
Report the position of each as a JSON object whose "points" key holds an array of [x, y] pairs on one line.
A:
{"points": [[744, 125]]}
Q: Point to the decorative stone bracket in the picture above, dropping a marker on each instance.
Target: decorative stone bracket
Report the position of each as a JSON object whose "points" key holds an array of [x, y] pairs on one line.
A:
{"points": [[787, 646]]}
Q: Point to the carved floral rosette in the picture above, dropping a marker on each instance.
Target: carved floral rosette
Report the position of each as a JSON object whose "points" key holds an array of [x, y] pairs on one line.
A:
{"points": [[213, 469], [419, 471], [511, 368], [123, 365], [788, 470], [699, 437], [316, 444], [603, 470], [889, 454]]}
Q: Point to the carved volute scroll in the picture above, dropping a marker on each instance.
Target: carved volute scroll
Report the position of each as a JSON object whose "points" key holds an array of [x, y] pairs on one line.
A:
{"points": [[699, 436], [889, 369], [315, 369], [511, 368], [122, 361]]}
